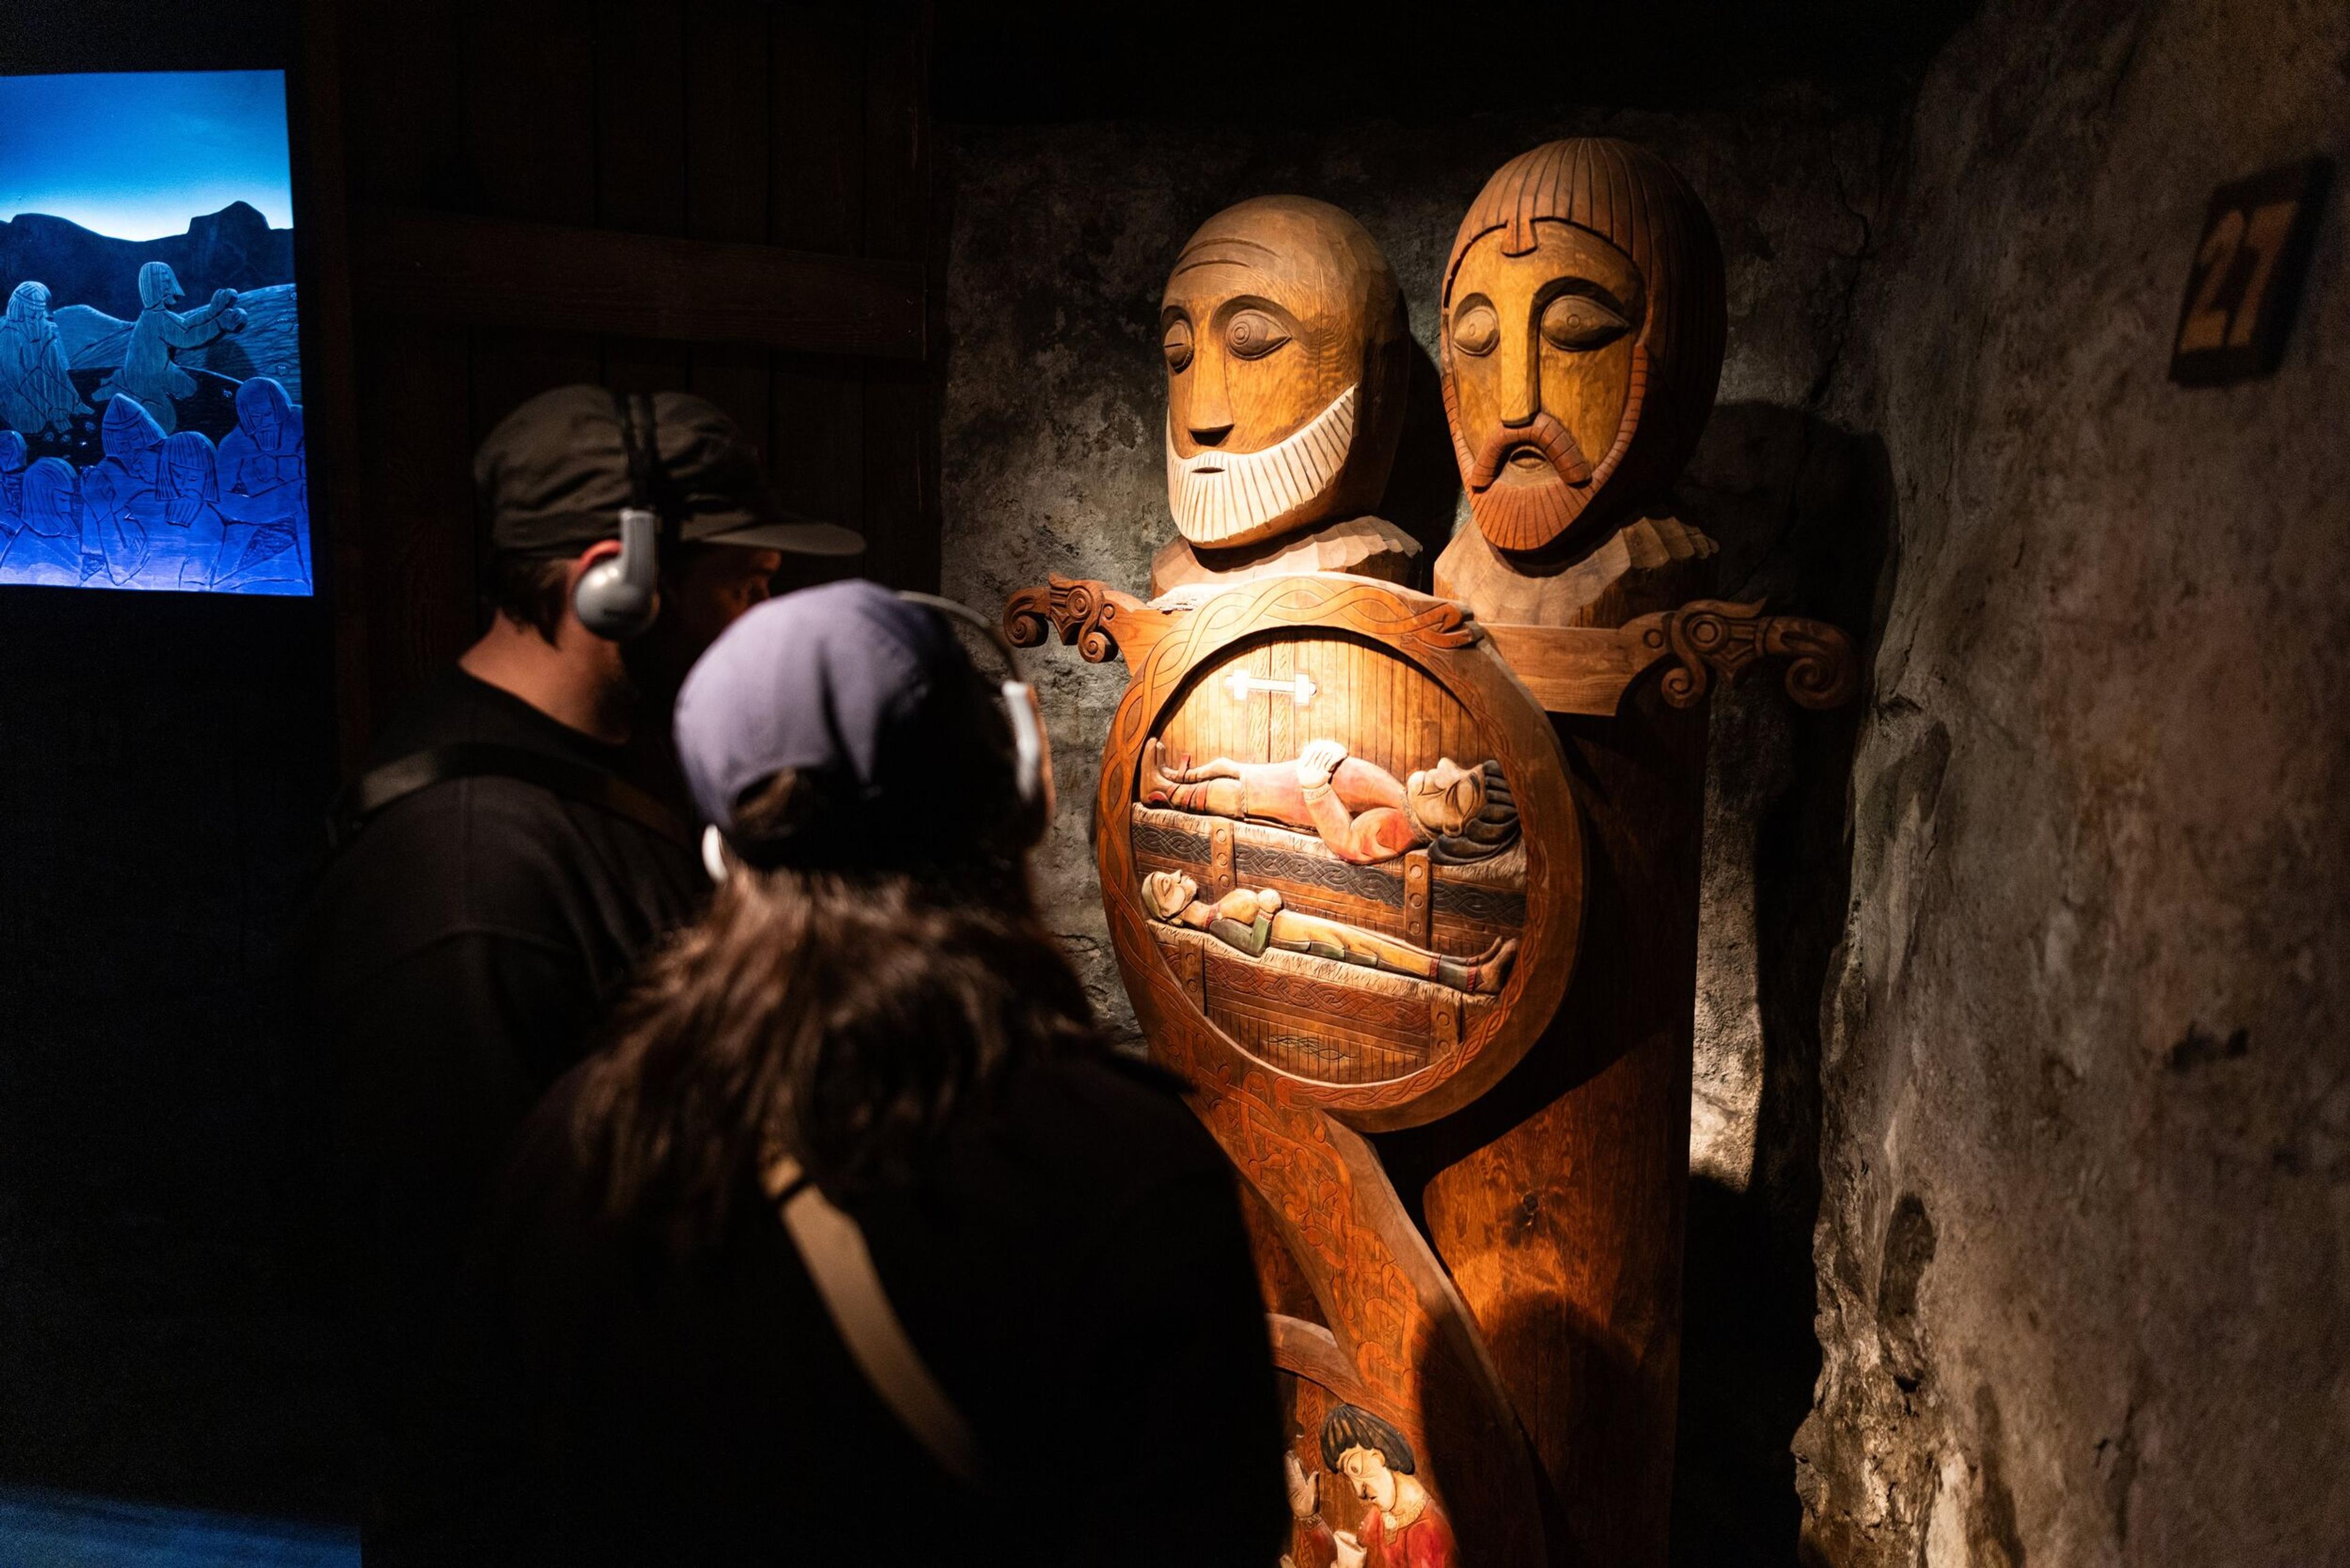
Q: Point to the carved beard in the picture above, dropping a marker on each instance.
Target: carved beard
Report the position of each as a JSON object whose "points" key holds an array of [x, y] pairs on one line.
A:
{"points": [[1219, 496], [1526, 516]]}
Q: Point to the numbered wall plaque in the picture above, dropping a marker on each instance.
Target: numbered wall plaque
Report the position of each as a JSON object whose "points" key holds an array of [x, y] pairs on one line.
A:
{"points": [[2245, 282]]}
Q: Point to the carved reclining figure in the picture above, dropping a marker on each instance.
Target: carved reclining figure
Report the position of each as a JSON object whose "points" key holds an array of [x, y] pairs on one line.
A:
{"points": [[1251, 919], [1360, 810]]}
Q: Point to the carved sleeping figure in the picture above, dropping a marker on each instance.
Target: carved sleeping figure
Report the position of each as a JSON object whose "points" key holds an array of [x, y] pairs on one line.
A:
{"points": [[1362, 812], [1251, 919]]}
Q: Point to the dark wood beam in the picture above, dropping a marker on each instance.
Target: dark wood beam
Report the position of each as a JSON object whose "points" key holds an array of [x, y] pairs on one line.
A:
{"points": [[487, 272]]}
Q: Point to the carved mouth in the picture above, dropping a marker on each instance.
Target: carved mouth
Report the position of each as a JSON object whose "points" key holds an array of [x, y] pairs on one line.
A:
{"points": [[1528, 457], [1207, 468]]}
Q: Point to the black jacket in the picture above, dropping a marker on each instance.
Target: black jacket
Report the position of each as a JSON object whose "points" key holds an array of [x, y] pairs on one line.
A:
{"points": [[1072, 1267], [462, 949]]}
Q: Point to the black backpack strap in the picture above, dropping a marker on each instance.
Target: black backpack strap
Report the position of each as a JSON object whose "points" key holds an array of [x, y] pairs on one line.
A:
{"points": [[396, 780]]}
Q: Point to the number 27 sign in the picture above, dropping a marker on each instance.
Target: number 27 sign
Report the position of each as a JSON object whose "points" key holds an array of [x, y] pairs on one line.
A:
{"points": [[2246, 280]]}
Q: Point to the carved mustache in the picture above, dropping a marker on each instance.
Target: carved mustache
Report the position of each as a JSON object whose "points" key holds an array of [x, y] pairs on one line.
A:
{"points": [[1552, 440]]}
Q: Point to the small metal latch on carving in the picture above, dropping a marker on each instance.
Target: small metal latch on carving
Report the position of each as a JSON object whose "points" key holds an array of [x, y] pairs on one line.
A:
{"points": [[1299, 688]]}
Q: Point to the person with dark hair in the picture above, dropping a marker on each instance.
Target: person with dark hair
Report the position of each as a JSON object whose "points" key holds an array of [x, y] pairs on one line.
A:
{"points": [[1401, 1525], [868, 1045], [498, 878]]}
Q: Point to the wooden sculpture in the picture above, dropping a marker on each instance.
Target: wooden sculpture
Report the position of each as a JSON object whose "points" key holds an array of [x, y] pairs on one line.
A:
{"points": [[1414, 998], [1337, 932], [1580, 340], [1287, 359]]}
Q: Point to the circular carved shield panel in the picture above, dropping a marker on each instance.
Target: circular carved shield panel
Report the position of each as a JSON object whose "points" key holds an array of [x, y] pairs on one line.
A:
{"points": [[1337, 843]]}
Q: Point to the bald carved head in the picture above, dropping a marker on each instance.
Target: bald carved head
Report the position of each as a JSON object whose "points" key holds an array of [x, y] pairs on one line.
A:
{"points": [[1581, 338], [1287, 364]]}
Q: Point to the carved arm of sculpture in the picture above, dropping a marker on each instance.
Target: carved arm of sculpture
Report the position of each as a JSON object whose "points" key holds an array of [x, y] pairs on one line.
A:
{"points": [[1587, 669], [1093, 617]]}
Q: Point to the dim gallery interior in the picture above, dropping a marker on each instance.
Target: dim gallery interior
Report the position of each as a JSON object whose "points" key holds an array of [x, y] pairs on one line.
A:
{"points": [[1692, 658]]}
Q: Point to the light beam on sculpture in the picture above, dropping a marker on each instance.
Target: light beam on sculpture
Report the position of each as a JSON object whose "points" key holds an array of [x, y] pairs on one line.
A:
{"points": [[151, 379], [1580, 340], [1286, 359]]}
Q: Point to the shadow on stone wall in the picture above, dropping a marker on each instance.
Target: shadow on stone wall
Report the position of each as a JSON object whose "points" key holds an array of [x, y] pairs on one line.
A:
{"points": [[1804, 513], [1423, 492]]}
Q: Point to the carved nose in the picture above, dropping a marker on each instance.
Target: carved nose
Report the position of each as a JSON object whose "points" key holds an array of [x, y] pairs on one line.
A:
{"points": [[1210, 435]]}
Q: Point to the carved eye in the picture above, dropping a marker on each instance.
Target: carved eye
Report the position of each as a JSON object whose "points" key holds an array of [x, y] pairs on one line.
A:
{"points": [[1177, 344], [1475, 327], [1252, 334], [1577, 321]]}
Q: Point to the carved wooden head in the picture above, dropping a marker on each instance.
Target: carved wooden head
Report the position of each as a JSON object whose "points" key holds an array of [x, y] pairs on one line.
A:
{"points": [[1286, 362], [1581, 338]]}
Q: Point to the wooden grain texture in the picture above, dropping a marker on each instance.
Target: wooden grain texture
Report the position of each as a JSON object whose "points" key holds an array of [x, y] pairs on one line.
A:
{"points": [[1557, 1200], [321, 172], [901, 437], [1398, 1336], [410, 410], [579, 278], [640, 169], [667, 195], [1586, 669], [816, 203], [1580, 328], [727, 187], [1287, 356]]}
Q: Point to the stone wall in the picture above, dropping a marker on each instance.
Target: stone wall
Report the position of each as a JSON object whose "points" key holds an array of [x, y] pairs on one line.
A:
{"points": [[2085, 1251]]}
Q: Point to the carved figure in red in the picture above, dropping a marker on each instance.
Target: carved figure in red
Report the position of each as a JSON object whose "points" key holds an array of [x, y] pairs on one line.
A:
{"points": [[1401, 1526], [1363, 813]]}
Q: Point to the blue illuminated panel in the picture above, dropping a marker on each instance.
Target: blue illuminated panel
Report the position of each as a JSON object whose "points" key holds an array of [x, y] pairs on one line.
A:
{"points": [[150, 373]]}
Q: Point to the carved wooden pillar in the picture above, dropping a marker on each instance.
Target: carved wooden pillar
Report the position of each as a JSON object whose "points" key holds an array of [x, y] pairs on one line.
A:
{"points": [[1405, 887]]}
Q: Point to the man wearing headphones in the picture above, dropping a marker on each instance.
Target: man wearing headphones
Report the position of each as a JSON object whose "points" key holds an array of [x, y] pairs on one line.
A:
{"points": [[497, 876], [856, 1242]]}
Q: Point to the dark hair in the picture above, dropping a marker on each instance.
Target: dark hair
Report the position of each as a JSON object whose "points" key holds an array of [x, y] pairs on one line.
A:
{"points": [[527, 589], [1352, 1427], [841, 1015], [1494, 829]]}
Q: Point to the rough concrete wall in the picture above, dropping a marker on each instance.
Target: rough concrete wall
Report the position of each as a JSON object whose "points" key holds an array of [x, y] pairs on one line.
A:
{"points": [[2084, 1246]]}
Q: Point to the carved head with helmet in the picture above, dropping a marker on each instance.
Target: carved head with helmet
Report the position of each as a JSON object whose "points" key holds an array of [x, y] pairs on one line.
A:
{"points": [[1287, 357], [1581, 339]]}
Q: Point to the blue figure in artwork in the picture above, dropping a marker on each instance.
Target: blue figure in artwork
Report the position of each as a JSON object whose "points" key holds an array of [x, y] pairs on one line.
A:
{"points": [[13, 458], [122, 497], [148, 373], [47, 548], [263, 481], [36, 390], [193, 535]]}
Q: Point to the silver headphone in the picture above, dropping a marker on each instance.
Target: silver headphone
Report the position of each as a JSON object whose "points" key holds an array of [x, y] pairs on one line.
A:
{"points": [[618, 598]]}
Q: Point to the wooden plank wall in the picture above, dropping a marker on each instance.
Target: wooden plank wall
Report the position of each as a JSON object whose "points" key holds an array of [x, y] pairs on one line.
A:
{"points": [[800, 126]]}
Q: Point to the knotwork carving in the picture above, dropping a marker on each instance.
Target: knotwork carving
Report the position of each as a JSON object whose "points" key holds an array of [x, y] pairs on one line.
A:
{"points": [[1081, 609], [1731, 636]]}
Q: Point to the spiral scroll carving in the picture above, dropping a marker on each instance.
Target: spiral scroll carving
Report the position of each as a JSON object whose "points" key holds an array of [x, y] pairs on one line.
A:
{"points": [[1076, 608], [1709, 635]]}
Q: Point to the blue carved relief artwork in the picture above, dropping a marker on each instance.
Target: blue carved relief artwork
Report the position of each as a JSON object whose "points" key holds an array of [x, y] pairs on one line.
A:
{"points": [[151, 368]]}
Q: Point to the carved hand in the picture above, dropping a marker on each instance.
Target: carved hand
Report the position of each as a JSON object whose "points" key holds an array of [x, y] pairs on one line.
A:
{"points": [[1351, 1552], [1305, 1491], [1318, 761], [222, 299]]}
